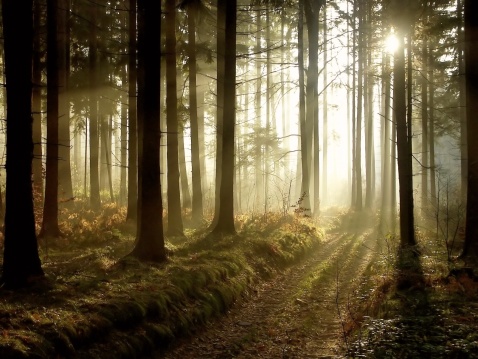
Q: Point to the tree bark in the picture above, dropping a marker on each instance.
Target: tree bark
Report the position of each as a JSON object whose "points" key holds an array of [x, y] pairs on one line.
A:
{"points": [[149, 238], [175, 221], [225, 224], [470, 248], [21, 262]]}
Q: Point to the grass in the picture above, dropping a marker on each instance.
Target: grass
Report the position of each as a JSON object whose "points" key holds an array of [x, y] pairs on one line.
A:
{"points": [[416, 304], [97, 303]]}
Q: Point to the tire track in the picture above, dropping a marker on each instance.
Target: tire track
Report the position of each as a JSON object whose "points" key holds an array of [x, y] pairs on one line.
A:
{"points": [[293, 316]]}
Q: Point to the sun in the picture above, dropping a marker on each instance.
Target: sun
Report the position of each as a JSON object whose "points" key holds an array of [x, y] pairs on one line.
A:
{"points": [[391, 43]]}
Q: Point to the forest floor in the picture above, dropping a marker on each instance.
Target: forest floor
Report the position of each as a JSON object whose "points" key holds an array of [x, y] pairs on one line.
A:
{"points": [[285, 287], [352, 298], [299, 314]]}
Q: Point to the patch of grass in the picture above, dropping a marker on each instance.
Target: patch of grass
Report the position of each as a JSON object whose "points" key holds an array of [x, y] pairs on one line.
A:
{"points": [[100, 302], [424, 306]]}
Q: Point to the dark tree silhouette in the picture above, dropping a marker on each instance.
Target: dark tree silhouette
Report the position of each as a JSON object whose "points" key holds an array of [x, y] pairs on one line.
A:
{"points": [[470, 249], [175, 222], [132, 134], [21, 262], [149, 238], [407, 228], [50, 209], [225, 223]]}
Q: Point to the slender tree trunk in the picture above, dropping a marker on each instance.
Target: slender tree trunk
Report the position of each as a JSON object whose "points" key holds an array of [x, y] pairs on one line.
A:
{"points": [[36, 107], [388, 142], [132, 116], [354, 107], [305, 188], [64, 163], [463, 128], [324, 114], [358, 142], [197, 200], [369, 113], [259, 183], [225, 224], [407, 227], [175, 222], [312, 9], [431, 132], [470, 248], [424, 99], [50, 210], [93, 104], [269, 102]]}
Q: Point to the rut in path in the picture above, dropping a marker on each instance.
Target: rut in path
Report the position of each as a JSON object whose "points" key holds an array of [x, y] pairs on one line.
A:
{"points": [[296, 315]]}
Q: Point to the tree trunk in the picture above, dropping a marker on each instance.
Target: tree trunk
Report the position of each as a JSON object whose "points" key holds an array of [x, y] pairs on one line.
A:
{"points": [[358, 142], [50, 210], [225, 224], [259, 182], [175, 221], [149, 238], [64, 163], [407, 228], [424, 99], [36, 107], [95, 201], [304, 199], [463, 128], [132, 116], [324, 115], [470, 248], [312, 9], [21, 262], [197, 201]]}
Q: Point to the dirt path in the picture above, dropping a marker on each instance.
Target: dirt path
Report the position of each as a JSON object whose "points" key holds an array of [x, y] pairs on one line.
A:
{"points": [[297, 315]]}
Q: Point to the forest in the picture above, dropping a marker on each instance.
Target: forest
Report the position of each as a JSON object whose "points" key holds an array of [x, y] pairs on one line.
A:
{"points": [[239, 179]]}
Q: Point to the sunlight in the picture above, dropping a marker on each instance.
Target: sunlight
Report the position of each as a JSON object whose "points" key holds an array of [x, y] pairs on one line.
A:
{"points": [[391, 44]]}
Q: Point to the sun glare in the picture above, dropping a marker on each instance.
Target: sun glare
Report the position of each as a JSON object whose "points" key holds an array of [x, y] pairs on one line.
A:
{"points": [[391, 43]]}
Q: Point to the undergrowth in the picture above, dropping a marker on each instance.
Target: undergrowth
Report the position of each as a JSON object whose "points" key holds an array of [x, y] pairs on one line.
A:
{"points": [[415, 303], [98, 303]]}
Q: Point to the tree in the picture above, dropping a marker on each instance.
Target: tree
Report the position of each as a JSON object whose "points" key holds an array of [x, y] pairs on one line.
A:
{"points": [[36, 105], [64, 162], [197, 202], [405, 175], [175, 222], [95, 201], [149, 238], [225, 223], [50, 210], [470, 248], [21, 261], [312, 10], [132, 133]]}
